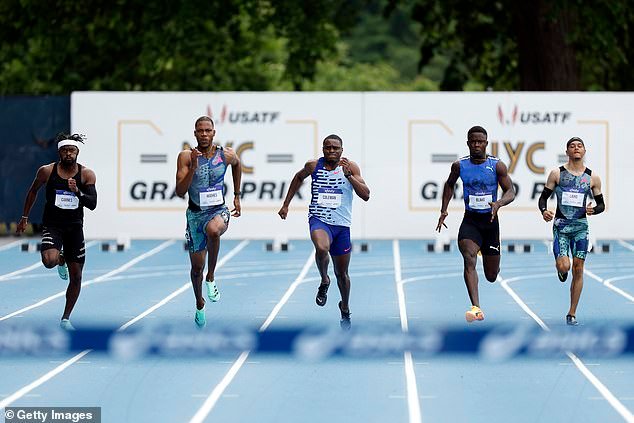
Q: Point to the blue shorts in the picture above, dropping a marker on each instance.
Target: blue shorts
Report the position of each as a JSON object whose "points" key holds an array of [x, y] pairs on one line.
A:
{"points": [[570, 236], [339, 236], [197, 222]]}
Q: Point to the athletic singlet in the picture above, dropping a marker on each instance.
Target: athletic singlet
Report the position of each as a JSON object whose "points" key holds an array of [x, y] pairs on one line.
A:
{"points": [[206, 189], [572, 193], [331, 196], [480, 183], [62, 205]]}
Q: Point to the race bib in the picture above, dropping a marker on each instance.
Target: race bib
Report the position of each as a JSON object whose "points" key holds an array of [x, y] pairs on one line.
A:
{"points": [[66, 200], [574, 199], [211, 196], [480, 202], [329, 197]]}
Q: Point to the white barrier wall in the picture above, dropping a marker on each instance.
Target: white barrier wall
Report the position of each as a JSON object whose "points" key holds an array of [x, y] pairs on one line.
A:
{"points": [[404, 143]]}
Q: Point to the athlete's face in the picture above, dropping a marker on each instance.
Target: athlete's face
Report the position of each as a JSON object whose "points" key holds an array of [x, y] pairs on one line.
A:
{"points": [[204, 133], [477, 142], [576, 150], [332, 150], [68, 155]]}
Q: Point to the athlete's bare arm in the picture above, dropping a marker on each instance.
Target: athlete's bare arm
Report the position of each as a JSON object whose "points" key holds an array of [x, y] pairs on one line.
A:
{"points": [[41, 177], [352, 171], [185, 167], [236, 173], [447, 193], [296, 183]]}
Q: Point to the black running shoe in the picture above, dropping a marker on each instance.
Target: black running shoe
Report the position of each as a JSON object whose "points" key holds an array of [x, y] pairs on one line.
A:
{"points": [[321, 297], [345, 319], [571, 320], [562, 276]]}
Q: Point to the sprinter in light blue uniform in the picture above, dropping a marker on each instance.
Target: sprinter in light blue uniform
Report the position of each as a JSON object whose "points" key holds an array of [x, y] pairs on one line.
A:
{"points": [[330, 216], [480, 229], [573, 184], [200, 174]]}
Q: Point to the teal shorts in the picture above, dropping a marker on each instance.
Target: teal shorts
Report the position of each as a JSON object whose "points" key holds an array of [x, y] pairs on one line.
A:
{"points": [[570, 236], [197, 222]]}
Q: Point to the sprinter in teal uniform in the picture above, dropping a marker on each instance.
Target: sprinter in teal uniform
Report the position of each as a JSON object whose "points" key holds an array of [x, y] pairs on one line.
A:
{"points": [[573, 184], [200, 174]]}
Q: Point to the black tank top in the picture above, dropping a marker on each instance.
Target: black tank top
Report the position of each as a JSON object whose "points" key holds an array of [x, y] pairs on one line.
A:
{"points": [[62, 206]]}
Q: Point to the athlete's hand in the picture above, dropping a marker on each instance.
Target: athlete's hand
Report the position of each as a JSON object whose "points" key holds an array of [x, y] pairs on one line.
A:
{"points": [[21, 225], [590, 209], [195, 154], [72, 185], [548, 215], [345, 164], [283, 212], [441, 221], [495, 206], [236, 207]]}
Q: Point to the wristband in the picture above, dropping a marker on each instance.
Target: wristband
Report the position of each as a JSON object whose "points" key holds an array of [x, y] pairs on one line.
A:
{"points": [[25, 217], [237, 192]]}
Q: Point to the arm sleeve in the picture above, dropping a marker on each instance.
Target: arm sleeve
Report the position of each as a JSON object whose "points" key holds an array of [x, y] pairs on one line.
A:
{"points": [[600, 207], [89, 197], [543, 199]]}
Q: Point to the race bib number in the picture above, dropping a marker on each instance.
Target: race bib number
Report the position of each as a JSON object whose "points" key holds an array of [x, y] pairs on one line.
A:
{"points": [[480, 202], [66, 200], [211, 196], [574, 199], [329, 197]]}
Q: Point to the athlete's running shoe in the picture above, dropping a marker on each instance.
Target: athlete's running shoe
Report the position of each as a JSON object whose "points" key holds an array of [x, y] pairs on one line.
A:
{"points": [[474, 314], [322, 296], [62, 269], [212, 291], [562, 276], [571, 320], [345, 318], [200, 318], [65, 324]]}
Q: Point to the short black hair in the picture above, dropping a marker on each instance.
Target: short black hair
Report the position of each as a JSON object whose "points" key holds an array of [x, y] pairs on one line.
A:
{"points": [[202, 118], [573, 139], [75, 137], [479, 129], [333, 137]]}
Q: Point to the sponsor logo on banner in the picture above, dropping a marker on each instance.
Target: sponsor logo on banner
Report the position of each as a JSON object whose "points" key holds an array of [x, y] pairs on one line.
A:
{"points": [[526, 117], [228, 116]]}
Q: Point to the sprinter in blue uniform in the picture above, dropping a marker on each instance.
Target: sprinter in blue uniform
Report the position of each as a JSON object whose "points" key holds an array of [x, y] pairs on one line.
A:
{"points": [[573, 184], [69, 188], [330, 215], [200, 173], [480, 229]]}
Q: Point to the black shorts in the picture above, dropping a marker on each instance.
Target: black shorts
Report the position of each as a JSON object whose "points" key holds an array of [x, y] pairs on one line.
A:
{"points": [[71, 237], [479, 228]]}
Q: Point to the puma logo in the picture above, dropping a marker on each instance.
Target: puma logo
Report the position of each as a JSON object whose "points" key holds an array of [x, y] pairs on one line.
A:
{"points": [[494, 248], [490, 168]]}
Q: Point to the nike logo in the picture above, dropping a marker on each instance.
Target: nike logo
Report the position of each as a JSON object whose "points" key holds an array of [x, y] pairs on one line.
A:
{"points": [[335, 172], [346, 250], [495, 248]]}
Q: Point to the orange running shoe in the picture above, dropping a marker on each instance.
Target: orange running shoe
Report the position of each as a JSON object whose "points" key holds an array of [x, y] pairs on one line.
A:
{"points": [[474, 314]]}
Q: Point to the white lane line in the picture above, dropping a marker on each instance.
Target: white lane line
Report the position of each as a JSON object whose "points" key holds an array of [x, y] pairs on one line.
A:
{"points": [[33, 266], [48, 376], [413, 404], [626, 245], [608, 283], [603, 390], [219, 389], [10, 245], [101, 278], [41, 380]]}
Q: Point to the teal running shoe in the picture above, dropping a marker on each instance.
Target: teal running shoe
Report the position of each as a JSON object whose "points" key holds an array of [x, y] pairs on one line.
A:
{"points": [[200, 318], [212, 291], [65, 324], [62, 269]]}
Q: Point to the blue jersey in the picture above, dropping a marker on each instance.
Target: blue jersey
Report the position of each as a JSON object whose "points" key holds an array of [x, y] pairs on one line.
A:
{"points": [[206, 189], [331, 196], [572, 194], [480, 183]]}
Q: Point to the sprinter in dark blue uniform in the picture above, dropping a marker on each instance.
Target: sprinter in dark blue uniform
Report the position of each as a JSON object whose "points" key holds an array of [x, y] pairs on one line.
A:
{"points": [[480, 229], [69, 188]]}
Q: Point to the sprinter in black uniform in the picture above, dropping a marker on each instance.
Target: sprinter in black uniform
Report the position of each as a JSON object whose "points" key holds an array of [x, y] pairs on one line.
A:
{"points": [[69, 188]]}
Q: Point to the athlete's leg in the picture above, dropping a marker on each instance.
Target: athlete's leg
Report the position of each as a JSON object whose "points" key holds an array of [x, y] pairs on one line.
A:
{"points": [[491, 266], [577, 284], [74, 287], [469, 250], [214, 229], [341, 264], [197, 261], [50, 246]]}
